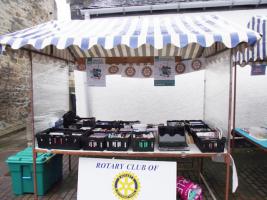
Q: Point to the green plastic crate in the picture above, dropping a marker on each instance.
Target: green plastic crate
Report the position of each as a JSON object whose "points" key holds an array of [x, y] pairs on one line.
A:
{"points": [[48, 171]]}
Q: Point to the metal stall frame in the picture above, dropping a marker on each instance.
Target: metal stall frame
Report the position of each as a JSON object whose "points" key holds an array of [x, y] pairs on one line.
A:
{"points": [[83, 44], [200, 155]]}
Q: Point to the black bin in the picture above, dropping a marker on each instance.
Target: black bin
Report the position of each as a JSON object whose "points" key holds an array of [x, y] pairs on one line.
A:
{"points": [[143, 141], [95, 141], [57, 138], [118, 141]]}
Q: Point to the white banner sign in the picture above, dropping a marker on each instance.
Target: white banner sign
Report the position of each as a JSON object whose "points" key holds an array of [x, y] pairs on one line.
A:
{"points": [[111, 179]]}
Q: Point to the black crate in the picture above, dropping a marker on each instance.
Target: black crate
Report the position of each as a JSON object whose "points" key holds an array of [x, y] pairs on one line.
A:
{"points": [[87, 122], [108, 124], [95, 141], [143, 141], [126, 130], [175, 123], [171, 130], [195, 121], [210, 144], [207, 143], [83, 122], [194, 130], [118, 141], [195, 124], [172, 138], [75, 126], [128, 123], [56, 138]]}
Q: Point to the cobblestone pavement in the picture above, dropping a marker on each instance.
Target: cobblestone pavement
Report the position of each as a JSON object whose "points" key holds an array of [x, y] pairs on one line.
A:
{"points": [[251, 165]]}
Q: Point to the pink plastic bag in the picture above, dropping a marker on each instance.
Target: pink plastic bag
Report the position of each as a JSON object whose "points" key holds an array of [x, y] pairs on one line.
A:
{"points": [[188, 190]]}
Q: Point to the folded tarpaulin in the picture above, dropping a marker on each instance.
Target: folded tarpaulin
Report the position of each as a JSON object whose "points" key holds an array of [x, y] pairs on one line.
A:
{"points": [[162, 35]]}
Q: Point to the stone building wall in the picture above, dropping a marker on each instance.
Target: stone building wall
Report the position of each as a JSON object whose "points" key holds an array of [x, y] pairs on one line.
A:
{"points": [[14, 86], [15, 65], [19, 14]]}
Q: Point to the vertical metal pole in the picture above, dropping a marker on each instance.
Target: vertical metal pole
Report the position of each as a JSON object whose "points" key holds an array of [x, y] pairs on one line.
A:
{"points": [[200, 168], [230, 109], [201, 165], [234, 107], [69, 163], [234, 103], [227, 160], [33, 135], [230, 125], [204, 96]]}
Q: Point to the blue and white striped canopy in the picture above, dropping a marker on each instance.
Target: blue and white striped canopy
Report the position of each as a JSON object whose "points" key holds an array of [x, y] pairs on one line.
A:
{"points": [[165, 35], [259, 51]]}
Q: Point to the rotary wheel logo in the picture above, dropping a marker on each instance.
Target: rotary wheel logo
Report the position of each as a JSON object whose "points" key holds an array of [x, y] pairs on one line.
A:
{"points": [[180, 68], [130, 71], [147, 71], [126, 186], [196, 64], [113, 69]]}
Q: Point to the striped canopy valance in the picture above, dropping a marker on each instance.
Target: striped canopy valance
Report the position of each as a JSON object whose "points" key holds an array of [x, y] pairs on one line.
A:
{"points": [[165, 35], [258, 52]]}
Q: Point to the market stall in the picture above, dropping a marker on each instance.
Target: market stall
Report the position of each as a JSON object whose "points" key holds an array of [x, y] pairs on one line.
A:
{"points": [[258, 52], [256, 59], [147, 39]]}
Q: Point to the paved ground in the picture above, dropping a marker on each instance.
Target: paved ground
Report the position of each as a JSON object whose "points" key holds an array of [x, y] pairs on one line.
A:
{"points": [[8, 146], [251, 164]]}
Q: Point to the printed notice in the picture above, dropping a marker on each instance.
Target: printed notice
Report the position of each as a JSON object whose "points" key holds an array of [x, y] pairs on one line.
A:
{"points": [[96, 72], [258, 69], [164, 71]]}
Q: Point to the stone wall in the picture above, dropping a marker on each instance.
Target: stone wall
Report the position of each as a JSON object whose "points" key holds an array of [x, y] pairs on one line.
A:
{"points": [[15, 65], [19, 14], [14, 86]]}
